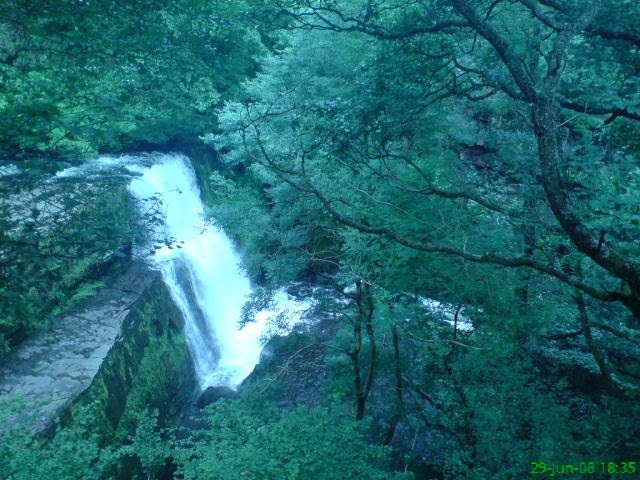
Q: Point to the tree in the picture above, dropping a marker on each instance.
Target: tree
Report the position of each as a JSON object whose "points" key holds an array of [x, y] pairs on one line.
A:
{"points": [[243, 441], [76, 82], [462, 150], [341, 120], [531, 71]]}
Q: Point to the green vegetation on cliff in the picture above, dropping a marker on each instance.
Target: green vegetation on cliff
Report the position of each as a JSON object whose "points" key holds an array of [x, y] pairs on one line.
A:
{"points": [[74, 83], [59, 242]]}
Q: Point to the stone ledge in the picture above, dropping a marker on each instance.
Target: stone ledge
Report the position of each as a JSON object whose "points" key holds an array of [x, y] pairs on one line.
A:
{"points": [[52, 368]]}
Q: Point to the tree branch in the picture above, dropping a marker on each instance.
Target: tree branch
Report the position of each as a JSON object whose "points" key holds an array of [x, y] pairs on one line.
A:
{"points": [[545, 115], [452, 342], [614, 112], [535, 11], [608, 34], [617, 333], [476, 258], [563, 336], [508, 56], [345, 23]]}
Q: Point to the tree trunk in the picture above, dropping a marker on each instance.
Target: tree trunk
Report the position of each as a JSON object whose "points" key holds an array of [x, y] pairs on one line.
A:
{"points": [[605, 373], [365, 307], [588, 242], [399, 407]]}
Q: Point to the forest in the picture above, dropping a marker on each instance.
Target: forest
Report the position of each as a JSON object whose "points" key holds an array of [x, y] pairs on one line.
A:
{"points": [[482, 156]]}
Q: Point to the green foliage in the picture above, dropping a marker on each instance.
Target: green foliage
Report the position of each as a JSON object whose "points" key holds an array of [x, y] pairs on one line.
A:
{"points": [[506, 408], [404, 133], [75, 82], [244, 439], [57, 240], [73, 453], [146, 452], [77, 452], [260, 442]]}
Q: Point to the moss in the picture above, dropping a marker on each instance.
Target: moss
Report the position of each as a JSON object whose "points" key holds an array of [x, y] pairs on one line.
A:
{"points": [[205, 162], [148, 368]]}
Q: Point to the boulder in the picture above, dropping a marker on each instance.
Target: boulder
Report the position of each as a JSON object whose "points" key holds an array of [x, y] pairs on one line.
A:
{"points": [[213, 394]]}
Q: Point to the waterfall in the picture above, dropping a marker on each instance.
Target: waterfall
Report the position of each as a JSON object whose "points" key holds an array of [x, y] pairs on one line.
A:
{"points": [[198, 263], [202, 270]]}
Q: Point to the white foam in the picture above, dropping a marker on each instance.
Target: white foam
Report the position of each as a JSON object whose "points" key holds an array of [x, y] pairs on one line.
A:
{"points": [[202, 270]]}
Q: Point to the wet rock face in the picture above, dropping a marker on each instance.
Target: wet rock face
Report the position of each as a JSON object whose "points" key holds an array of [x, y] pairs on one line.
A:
{"points": [[53, 367], [213, 394], [121, 351], [292, 369]]}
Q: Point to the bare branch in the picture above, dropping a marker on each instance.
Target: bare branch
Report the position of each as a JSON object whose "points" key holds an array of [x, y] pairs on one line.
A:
{"points": [[508, 56], [563, 336], [321, 18], [608, 34], [287, 362], [537, 13], [444, 340], [613, 112], [617, 333]]}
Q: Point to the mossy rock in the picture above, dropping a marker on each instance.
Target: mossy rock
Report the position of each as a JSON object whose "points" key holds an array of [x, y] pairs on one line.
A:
{"points": [[148, 368]]}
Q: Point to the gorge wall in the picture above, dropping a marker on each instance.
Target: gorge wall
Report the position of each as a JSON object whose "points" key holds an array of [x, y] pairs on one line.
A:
{"points": [[148, 368], [116, 353]]}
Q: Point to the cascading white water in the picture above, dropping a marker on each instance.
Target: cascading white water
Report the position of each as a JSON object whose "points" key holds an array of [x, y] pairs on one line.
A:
{"points": [[198, 264], [202, 271]]}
